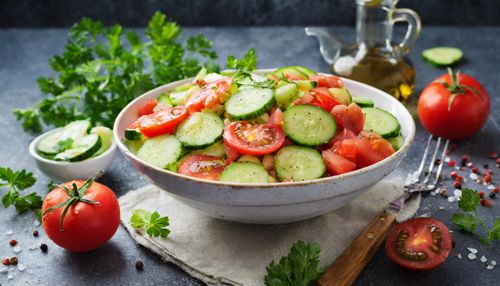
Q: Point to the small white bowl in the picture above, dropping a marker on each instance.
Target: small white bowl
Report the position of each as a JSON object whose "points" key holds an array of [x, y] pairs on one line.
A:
{"points": [[67, 171]]}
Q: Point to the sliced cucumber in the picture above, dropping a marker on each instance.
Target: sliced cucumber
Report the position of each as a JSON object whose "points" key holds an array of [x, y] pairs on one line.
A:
{"points": [[341, 95], [133, 135], [286, 95], [249, 158], [164, 99], [296, 163], [442, 56], [396, 142], [291, 71], [216, 149], [82, 149], [75, 130], [249, 103], [244, 172], [106, 138], [305, 70], [308, 125], [180, 95], [305, 84], [363, 101], [133, 146], [200, 75], [160, 151], [49, 145], [381, 122], [200, 130]]}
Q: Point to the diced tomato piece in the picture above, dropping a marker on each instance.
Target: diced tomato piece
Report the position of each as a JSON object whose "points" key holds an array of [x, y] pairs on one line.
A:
{"points": [[307, 98], [231, 154], [349, 117], [347, 148], [147, 108], [370, 151], [326, 80], [276, 117], [369, 135], [323, 98], [209, 96], [337, 164], [341, 135]]}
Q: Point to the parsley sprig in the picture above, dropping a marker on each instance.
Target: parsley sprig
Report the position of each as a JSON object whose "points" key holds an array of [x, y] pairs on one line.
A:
{"points": [[15, 182], [154, 224], [299, 268], [468, 219]]}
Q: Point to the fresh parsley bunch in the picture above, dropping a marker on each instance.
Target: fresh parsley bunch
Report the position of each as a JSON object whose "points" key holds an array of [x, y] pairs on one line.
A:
{"points": [[469, 218], [104, 68], [299, 268], [15, 182]]}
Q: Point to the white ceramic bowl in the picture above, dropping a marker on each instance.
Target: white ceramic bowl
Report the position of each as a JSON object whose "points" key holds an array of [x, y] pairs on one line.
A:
{"points": [[67, 171], [274, 202]]}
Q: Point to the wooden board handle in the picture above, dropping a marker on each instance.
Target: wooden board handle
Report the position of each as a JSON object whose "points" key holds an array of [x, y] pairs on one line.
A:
{"points": [[347, 267]]}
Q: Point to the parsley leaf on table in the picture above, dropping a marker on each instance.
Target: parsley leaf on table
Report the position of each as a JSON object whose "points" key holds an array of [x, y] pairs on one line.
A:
{"points": [[154, 224], [469, 219], [299, 268], [15, 182]]}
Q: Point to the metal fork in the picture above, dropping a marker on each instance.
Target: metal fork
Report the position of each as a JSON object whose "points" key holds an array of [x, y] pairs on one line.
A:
{"points": [[416, 183]]}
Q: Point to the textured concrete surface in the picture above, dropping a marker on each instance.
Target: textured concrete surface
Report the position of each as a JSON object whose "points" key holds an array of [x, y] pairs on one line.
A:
{"points": [[23, 57], [62, 13]]}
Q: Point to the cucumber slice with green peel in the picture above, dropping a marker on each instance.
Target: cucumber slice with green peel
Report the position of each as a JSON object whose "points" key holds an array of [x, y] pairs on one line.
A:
{"points": [[200, 75], [308, 125], [362, 101], [305, 84], [49, 145], [442, 56], [305, 70], [296, 163], [249, 103], [396, 142], [200, 130], [133, 146], [160, 151], [216, 149], [292, 72], [133, 135], [286, 95], [249, 158], [181, 95], [106, 138], [76, 129], [82, 149], [165, 100], [244, 172], [341, 95], [381, 122]]}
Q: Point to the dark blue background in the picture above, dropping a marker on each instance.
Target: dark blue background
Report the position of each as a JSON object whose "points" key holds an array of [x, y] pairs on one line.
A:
{"points": [[63, 13]]}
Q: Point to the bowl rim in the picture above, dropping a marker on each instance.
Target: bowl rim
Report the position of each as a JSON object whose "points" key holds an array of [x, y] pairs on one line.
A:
{"points": [[403, 150], [38, 157]]}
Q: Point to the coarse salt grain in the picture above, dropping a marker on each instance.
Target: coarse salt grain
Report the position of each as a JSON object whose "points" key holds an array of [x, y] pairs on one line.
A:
{"points": [[447, 159], [4, 270], [493, 262], [472, 250], [490, 267], [9, 232], [10, 276], [36, 223], [459, 256], [472, 256], [441, 207], [21, 267], [483, 259], [17, 248], [457, 193], [451, 199], [473, 176]]}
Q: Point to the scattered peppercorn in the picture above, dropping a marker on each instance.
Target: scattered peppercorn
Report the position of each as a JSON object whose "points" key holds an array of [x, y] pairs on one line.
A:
{"points": [[481, 195], [437, 162], [496, 190], [6, 261], [482, 202], [475, 170], [13, 242], [460, 178], [139, 265], [44, 248], [35, 233], [452, 244], [487, 203], [486, 166], [457, 185], [487, 178], [493, 155], [498, 161], [452, 163], [453, 174], [493, 195], [13, 260]]}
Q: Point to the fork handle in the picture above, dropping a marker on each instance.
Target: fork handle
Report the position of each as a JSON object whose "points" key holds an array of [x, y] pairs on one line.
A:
{"points": [[349, 265]]}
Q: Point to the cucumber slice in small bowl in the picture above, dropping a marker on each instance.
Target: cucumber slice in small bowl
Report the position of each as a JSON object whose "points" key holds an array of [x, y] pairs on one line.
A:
{"points": [[82, 149]]}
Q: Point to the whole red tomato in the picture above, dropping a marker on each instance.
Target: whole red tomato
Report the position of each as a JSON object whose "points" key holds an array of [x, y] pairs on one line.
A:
{"points": [[454, 106], [92, 215]]}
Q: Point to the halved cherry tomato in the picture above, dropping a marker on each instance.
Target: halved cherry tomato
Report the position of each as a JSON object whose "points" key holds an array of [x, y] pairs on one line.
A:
{"points": [[326, 80], [337, 164], [253, 139], [147, 108], [162, 122], [419, 244], [350, 117], [276, 117], [202, 166], [323, 98], [307, 98], [210, 95]]}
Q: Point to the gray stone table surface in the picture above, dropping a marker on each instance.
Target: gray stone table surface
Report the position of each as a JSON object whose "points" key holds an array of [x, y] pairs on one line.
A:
{"points": [[23, 57]]}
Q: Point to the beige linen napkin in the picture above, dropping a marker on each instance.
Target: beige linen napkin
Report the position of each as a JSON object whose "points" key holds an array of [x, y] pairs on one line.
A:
{"points": [[219, 252]]}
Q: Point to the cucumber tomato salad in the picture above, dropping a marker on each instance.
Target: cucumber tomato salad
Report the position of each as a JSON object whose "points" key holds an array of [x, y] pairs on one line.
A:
{"points": [[290, 125]]}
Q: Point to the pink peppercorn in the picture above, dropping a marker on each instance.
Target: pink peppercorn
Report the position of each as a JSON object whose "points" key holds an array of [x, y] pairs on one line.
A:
{"points": [[496, 190], [475, 170], [481, 195], [13, 242], [452, 163], [453, 174]]}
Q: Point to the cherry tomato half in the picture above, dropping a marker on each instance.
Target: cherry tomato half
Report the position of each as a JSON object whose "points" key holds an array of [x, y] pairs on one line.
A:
{"points": [[162, 122], [253, 139], [202, 166], [210, 95], [419, 244], [326, 80], [147, 108]]}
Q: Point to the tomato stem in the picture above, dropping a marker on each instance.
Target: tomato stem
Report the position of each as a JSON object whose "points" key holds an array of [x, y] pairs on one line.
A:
{"points": [[75, 195], [455, 88]]}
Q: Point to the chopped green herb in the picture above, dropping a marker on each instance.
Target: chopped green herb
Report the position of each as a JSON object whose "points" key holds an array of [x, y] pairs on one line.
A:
{"points": [[151, 222], [15, 182]]}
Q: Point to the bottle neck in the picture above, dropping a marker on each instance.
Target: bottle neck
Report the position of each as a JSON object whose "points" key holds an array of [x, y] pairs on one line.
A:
{"points": [[373, 28]]}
